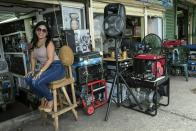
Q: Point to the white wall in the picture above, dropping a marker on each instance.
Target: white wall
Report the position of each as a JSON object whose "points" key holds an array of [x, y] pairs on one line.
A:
{"points": [[155, 26]]}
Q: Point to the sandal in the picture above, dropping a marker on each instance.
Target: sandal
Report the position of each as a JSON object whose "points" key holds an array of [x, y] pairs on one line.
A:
{"points": [[42, 106], [49, 106]]}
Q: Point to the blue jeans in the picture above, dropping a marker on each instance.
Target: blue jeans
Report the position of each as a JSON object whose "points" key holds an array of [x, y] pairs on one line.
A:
{"points": [[40, 86]]}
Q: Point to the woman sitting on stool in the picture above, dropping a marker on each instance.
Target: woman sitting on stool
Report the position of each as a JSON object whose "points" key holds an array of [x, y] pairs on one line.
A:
{"points": [[43, 51]]}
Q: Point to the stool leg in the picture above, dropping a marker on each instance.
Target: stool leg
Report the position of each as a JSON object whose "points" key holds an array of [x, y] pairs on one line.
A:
{"points": [[186, 71], [73, 93], [55, 110], [43, 117], [69, 101], [59, 99], [74, 100]]}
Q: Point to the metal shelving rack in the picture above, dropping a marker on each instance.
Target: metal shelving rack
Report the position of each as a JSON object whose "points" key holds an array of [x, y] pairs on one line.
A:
{"points": [[7, 92], [192, 59], [19, 75]]}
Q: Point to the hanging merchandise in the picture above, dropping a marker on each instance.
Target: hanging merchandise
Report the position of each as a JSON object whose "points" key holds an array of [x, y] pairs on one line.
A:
{"points": [[78, 40], [73, 16], [82, 41], [74, 21]]}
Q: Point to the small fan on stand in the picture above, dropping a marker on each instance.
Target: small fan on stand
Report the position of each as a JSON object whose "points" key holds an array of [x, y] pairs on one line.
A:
{"points": [[152, 44]]}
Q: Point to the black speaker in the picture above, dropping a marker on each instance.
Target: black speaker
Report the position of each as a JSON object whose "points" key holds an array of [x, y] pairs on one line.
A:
{"points": [[114, 20]]}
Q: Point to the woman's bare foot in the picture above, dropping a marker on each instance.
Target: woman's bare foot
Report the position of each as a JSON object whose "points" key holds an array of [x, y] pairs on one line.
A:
{"points": [[42, 105], [49, 106]]}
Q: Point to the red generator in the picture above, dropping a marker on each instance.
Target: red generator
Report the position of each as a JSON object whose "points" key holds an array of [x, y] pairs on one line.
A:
{"points": [[173, 43], [93, 95], [149, 66]]}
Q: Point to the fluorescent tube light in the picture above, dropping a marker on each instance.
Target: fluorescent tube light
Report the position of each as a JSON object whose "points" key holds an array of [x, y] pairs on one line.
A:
{"points": [[8, 20]]}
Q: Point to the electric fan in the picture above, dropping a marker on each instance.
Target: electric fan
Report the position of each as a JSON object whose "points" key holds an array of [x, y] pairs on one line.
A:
{"points": [[152, 44], [113, 25]]}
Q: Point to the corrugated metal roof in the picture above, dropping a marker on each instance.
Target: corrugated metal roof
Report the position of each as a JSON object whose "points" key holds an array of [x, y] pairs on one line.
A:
{"points": [[12, 8], [16, 8], [6, 15]]}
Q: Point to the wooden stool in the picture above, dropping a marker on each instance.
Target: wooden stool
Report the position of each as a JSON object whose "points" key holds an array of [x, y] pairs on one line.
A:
{"points": [[66, 56]]}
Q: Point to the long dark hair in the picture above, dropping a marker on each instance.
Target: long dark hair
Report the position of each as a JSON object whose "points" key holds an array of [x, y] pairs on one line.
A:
{"points": [[35, 38]]}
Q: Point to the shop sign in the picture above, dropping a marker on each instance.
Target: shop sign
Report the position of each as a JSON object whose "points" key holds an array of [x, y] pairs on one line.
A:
{"points": [[165, 3]]}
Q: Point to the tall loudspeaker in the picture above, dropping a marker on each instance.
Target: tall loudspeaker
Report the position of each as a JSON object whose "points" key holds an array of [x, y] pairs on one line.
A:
{"points": [[114, 20]]}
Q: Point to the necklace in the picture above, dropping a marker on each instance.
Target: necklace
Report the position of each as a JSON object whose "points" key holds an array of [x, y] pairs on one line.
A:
{"points": [[39, 44]]}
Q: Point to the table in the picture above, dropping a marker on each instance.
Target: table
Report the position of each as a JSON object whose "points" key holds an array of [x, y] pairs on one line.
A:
{"points": [[124, 64]]}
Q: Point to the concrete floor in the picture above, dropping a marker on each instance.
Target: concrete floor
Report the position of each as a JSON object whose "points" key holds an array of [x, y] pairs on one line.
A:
{"points": [[180, 115]]}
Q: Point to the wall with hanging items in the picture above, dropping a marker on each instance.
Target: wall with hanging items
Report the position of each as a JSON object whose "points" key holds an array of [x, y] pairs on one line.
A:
{"points": [[13, 44], [16, 53]]}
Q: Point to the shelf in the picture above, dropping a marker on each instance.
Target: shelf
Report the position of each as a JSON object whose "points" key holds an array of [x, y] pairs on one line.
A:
{"points": [[191, 64], [192, 71], [15, 33], [136, 36], [192, 52], [14, 53], [192, 59]]}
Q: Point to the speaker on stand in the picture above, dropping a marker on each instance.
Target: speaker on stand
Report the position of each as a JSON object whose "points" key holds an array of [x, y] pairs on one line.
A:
{"points": [[114, 20], [114, 27]]}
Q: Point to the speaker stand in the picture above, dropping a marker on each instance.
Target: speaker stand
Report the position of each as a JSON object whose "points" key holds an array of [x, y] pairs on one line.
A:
{"points": [[115, 82]]}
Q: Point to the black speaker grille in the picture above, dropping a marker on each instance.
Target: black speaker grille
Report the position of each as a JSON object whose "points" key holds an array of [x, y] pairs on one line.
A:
{"points": [[114, 20]]}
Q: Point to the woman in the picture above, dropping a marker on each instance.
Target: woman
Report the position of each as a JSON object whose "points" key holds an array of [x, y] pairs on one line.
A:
{"points": [[43, 51]]}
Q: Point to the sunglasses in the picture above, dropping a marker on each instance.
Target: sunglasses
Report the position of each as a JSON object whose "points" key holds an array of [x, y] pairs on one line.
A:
{"points": [[41, 30]]}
